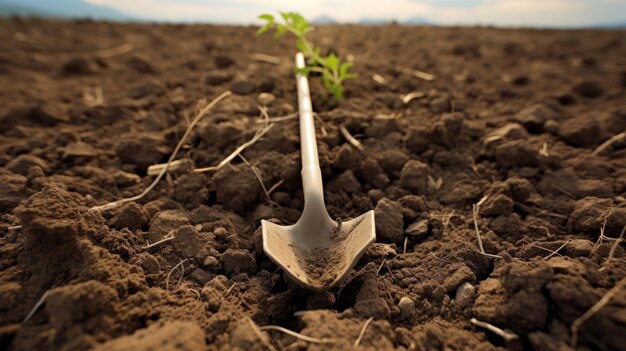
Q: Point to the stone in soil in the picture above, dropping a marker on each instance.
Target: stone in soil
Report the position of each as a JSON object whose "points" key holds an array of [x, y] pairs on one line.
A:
{"points": [[414, 177], [465, 294], [389, 221], [583, 131]]}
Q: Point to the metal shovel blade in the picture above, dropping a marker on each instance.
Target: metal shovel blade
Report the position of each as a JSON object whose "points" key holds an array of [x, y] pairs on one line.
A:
{"points": [[319, 258], [316, 252]]}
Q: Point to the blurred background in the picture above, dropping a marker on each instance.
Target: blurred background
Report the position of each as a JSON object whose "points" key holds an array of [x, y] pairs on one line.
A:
{"points": [[505, 13]]}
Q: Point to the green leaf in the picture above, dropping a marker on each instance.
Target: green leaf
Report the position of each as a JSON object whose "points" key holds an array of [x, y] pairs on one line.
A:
{"points": [[280, 31], [300, 46], [343, 69], [299, 23], [332, 62], [327, 79], [267, 26]]}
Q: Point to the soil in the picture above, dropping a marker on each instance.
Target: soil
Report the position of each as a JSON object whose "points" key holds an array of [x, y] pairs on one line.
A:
{"points": [[512, 115]]}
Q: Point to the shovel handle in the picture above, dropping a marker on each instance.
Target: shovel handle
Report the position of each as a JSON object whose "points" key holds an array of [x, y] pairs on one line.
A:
{"points": [[311, 173]]}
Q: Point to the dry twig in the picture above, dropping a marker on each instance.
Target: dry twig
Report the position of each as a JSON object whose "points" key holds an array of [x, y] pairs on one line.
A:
{"points": [[288, 117], [613, 248], [167, 279], [410, 96], [415, 73], [609, 142], [236, 153], [199, 115], [259, 333], [555, 251], [446, 221], [352, 140], [505, 334], [362, 332], [156, 169], [602, 236], [298, 335], [265, 58], [475, 210], [381, 80], [118, 50], [230, 289], [593, 310], [40, 302], [195, 292], [168, 237], [257, 174]]}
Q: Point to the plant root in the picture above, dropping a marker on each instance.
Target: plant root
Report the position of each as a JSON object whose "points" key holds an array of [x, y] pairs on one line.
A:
{"points": [[475, 210], [167, 279], [608, 143], [505, 334], [257, 174], [410, 96], [416, 73], [266, 58], [381, 80], [259, 333], [352, 140], [156, 169], [32, 312], [593, 310], [362, 332], [288, 117], [116, 51], [555, 251], [199, 115], [617, 242], [230, 289], [168, 237], [298, 335], [236, 153]]}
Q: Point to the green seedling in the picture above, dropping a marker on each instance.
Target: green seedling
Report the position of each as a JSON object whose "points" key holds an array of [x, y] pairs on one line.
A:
{"points": [[332, 69]]}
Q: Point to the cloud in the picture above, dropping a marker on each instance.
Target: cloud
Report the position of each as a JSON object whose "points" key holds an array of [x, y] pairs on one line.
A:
{"points": [[545, 13]]}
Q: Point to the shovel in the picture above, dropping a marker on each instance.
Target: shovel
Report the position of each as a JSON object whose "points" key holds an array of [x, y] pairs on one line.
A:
{"points": [[316, 252]]}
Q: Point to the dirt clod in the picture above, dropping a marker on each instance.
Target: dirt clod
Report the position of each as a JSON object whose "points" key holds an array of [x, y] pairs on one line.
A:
{"points": [[389, 222]]}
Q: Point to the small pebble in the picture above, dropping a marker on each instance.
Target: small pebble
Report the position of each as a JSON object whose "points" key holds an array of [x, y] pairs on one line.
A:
{"points": [[465, 294], [266, 99], [407, 307], [210, 261]]}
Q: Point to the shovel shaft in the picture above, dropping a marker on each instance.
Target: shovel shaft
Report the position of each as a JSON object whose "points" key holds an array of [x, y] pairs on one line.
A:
{"points": [[311, 173]]}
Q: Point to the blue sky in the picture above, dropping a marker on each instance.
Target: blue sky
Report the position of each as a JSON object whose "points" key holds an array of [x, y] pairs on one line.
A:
{"points": [[544, 13]]}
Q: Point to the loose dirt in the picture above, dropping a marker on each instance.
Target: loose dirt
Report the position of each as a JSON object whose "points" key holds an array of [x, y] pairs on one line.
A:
{"points": [[512, 115]]}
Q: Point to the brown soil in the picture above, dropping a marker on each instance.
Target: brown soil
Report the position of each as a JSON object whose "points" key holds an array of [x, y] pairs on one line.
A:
{"points": [[514, 115]]}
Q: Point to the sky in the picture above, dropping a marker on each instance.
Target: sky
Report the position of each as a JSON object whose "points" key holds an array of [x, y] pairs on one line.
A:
{"points": [[542, 13]]}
